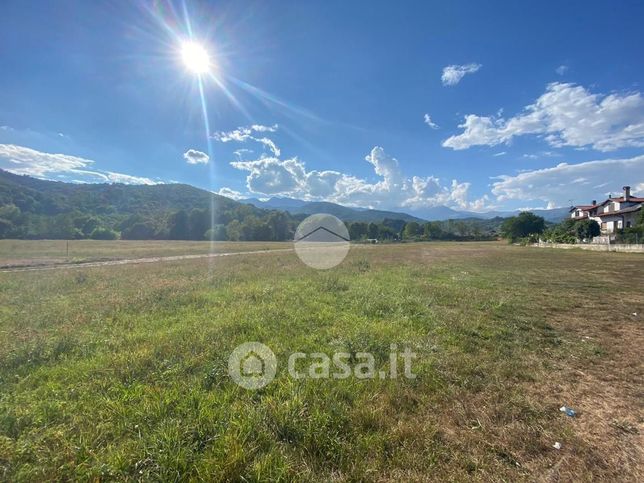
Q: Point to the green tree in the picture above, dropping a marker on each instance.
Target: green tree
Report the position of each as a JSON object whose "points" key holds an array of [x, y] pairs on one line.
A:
{"points": [[6, 228], [522, 225], [139, 231], [179, 226], [387, 233], [395, 224], [432, 230], [11, 213], [61, 227], [104, 234], [199, 223], [372, 231], [586, 229], [233, 230], [358, 230], [88, 224], [216, 233], [278, 225], [411, 230]]}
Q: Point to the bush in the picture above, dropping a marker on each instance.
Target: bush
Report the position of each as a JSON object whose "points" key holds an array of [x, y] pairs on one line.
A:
{"points": [[571, 231], [631, 235], [104, 234]]}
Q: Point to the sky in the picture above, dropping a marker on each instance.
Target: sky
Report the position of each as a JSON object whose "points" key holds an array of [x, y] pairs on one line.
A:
{"points": [[404, 106]]}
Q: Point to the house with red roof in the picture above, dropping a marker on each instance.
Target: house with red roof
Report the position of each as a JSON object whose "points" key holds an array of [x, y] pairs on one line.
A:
{"points": [[614, 214]]}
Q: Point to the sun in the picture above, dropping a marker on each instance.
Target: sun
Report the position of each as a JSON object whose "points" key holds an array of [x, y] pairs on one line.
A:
{"points": [[195, 57]]}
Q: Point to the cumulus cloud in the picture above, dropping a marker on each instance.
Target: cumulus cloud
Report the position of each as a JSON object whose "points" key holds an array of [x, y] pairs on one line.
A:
{"points": [[192, 156], [23, 160], [272, 176], [230, 193], [565, 115], [249, 133], [452, 74], [428, 120], [581, 183]]}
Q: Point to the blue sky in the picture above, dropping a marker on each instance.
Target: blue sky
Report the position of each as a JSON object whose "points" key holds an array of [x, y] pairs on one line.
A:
{"points": [[529, 104]]}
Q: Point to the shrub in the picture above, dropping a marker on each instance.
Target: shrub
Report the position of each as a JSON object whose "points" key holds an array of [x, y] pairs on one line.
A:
{"points": [[104, 234]]}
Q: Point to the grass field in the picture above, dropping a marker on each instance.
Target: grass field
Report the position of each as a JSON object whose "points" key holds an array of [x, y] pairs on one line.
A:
{"points": [[120, 372], [20, 253]]}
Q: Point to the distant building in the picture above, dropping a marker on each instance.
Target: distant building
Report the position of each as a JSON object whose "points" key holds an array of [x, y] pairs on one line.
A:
{"points": [[613, 214]]}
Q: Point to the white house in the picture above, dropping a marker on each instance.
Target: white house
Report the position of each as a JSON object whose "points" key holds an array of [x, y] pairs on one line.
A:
{"points": [[613, 214]]}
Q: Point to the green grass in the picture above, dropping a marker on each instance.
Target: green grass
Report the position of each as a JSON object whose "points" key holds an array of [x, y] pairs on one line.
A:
{"points": [[48, 252], [121, 372]]}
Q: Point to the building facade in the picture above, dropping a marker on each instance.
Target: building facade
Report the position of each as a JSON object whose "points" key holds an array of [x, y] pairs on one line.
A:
{"points": [[614, 214]]}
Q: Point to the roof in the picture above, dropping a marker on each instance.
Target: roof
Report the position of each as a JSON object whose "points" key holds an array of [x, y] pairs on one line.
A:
{"points": [[633, 199], [630, 209], [583, 207]]}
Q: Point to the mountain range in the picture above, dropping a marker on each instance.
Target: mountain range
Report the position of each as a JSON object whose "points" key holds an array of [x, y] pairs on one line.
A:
{"points": [[36, 208], [434, 213]]}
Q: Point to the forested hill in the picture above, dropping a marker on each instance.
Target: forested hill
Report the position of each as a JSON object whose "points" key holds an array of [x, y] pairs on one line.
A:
{"points": [[33, 209], [38, 196]]}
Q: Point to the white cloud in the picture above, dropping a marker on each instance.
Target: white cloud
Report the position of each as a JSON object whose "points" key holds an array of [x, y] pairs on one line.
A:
{"points": [[247, 133], [23, 160], [127, 179], [271, 176], [275, 177], [241, 152], [262, 128], [580, 183], [230, 193], [502, 153], [428, 120], [452, 74], [192, 156], [566, 115], [562, 69]]}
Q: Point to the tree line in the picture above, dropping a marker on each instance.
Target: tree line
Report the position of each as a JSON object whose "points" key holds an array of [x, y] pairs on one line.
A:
{"points": [[236, 222], [527, 227], [392, 229]]}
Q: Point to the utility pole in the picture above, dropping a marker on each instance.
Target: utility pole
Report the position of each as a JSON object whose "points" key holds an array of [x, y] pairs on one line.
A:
{"points": [[67, 247]]}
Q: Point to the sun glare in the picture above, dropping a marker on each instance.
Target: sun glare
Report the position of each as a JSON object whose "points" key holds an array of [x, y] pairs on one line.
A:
{"points": [[195, 57]]}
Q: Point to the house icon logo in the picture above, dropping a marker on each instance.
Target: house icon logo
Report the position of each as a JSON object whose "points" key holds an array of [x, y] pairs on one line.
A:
{"points": [[322, 241], [252, 365]]}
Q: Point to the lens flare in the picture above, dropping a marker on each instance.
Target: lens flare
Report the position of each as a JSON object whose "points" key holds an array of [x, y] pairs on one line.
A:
{"points": [[195, 57]]}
